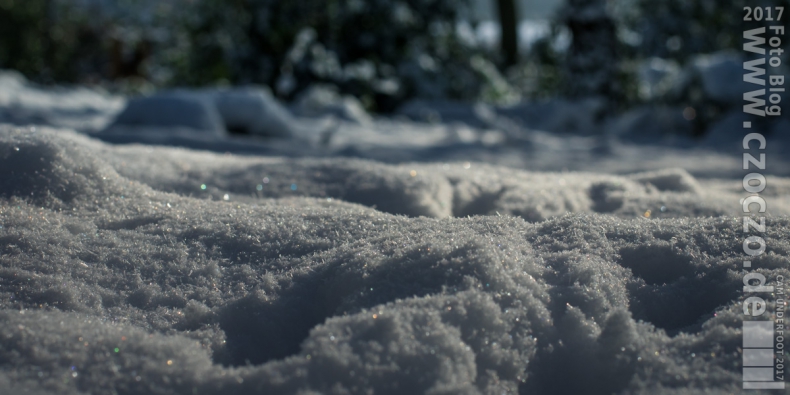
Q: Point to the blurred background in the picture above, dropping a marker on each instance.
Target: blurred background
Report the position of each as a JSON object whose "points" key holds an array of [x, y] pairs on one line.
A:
{"points": [[628, 65]]}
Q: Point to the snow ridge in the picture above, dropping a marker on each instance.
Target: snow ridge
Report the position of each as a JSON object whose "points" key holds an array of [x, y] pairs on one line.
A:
{"points": [[126, 268]]}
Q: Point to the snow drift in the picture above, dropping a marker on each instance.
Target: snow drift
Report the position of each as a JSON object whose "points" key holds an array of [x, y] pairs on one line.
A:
{"points": [[151, 270]]}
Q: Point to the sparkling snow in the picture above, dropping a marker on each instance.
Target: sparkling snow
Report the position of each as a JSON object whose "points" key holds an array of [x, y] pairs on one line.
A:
{"points": [[389, 256]]}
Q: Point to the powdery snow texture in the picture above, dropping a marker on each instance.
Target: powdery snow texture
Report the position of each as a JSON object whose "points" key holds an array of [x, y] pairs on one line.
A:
{"points": [[120, 274]]}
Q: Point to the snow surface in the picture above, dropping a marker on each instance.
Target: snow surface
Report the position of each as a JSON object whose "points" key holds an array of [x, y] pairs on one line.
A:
{"points": [[77, 108], [387, 257]]}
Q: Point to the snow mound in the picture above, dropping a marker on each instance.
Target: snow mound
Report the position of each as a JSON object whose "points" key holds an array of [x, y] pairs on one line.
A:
{"points": [[456, 189], [677, 180], [116, 272], [560, 115], [716, 68], [170, 110], [80, 108], [254, 111], [651, 124], [50, 169], [208, 114], [321, 100]]}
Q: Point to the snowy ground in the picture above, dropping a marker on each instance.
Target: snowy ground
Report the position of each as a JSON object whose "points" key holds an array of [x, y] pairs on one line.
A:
{"points": [[363, 255]]}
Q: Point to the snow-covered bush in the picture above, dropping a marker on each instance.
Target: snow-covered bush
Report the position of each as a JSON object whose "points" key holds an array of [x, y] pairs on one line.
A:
{"points": [[380, 51], [678, 57], [679, 29], [700, 38]]}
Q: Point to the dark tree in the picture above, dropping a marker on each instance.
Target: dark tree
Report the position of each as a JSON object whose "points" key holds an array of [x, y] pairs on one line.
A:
{"points": [[508, 21], [592, 64], [382, 51], [48, 40]]}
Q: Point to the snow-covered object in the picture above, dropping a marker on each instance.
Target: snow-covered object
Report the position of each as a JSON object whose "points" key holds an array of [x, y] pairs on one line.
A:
{"points": [[109, 282], [170, 110], [248, 110], [558, 115], [650, 124], [255, 111], [444, 111], [81, 108], [10, 81], [722, 77], [718, 78], [319, 100], [658, 78]]}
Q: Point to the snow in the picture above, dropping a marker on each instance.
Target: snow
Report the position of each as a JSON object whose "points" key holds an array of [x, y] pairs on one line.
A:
{"points": [[166, 111], [77, 108], [254, 111], [487, 32], [391, 256], [209, 112], [321, 100], [722, 67]]}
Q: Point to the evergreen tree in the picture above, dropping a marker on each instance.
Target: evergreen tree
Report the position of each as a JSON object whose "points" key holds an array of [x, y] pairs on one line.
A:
{"points": [[592, 66], [382, 51]]}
